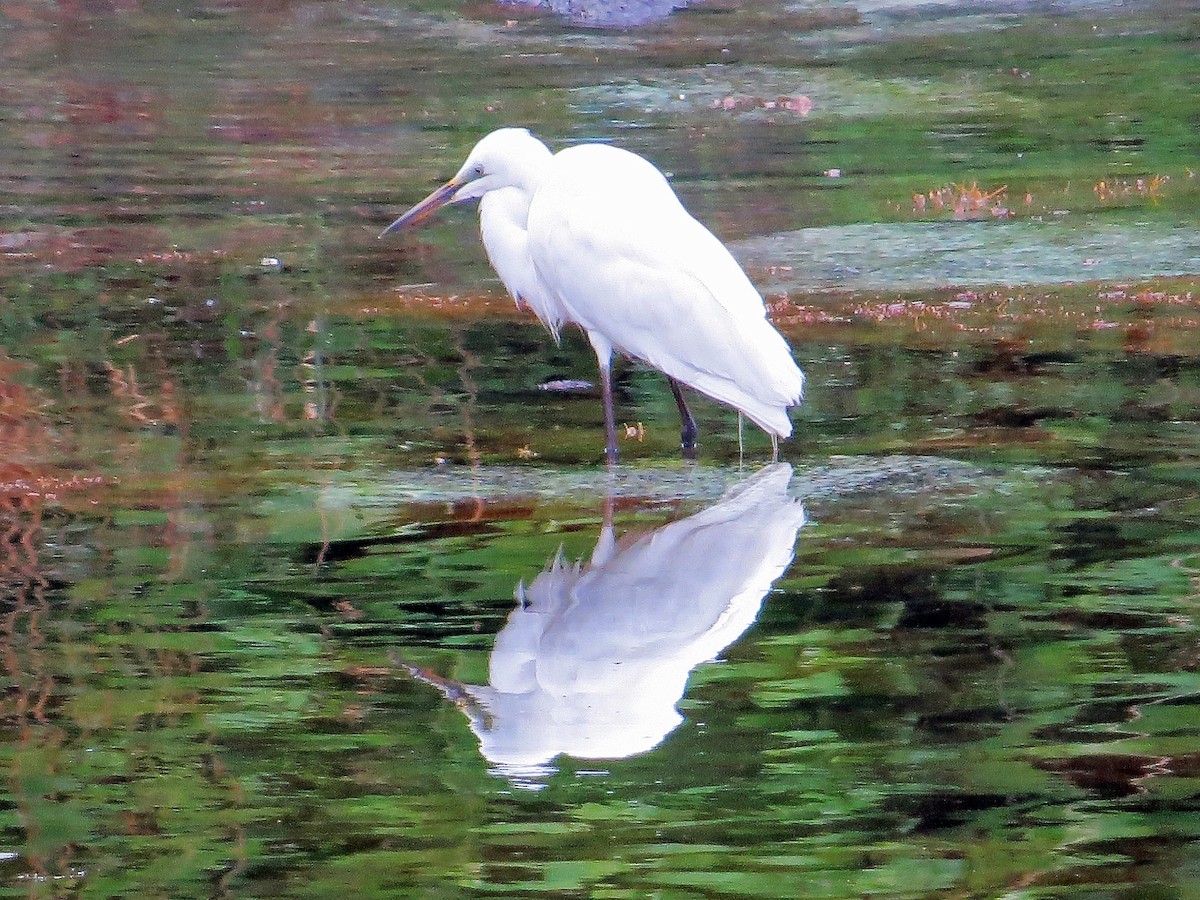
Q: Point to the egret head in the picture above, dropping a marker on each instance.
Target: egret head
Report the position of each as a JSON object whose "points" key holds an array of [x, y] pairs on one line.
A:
{"points": [[508, 157]]}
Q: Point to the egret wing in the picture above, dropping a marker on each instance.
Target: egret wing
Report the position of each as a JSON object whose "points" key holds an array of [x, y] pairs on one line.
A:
{"points": [[625, 259]]}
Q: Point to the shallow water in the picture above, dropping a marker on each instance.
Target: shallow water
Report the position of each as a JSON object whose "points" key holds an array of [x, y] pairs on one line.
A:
{"points": [[311, 587]]}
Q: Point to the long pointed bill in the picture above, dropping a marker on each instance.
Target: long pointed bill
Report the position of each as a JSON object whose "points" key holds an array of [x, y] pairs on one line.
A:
{"points": [[426, 207]]}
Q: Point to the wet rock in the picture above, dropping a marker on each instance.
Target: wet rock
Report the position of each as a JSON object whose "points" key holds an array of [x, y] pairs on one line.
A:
{"points": [[608, 13]]}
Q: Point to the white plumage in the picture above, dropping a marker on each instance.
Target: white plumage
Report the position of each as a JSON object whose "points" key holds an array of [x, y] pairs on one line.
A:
{"points": [[503, 218], [595, 235], [596, 656], [504, 227]]}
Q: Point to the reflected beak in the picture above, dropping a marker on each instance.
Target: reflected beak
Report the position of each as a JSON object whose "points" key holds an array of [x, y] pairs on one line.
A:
{"points": [[426, 207]]}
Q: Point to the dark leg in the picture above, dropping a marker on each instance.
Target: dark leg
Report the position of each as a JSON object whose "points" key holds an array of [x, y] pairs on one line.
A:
{"points": [[687, 435], [610, 416], [604, 351]]}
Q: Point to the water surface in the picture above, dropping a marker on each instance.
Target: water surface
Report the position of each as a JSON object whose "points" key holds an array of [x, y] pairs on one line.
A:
{"points": [[309, 587]]}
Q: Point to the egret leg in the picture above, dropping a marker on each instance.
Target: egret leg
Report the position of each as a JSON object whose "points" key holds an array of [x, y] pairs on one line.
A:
{"points": [[606, 545], [687, 434], [604, 359], [774, 448], [610, 415], [741, 444]]}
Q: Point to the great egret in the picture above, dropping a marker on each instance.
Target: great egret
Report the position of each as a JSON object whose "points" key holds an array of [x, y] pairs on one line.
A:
{"points": [[594, 235], [503, 218]]}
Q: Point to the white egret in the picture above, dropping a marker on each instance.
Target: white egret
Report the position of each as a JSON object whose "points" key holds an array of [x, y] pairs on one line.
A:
{"points": [[594, 235]]}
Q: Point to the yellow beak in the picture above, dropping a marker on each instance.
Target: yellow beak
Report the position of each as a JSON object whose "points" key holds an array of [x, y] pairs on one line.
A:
{"points": [[426, 207]]}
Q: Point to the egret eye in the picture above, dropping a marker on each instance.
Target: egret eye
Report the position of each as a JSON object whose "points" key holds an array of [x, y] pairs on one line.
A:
{"points": [[478, 170]]}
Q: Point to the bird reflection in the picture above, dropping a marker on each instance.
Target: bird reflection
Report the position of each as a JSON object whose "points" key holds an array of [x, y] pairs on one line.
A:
{"points": [[596, 655]]}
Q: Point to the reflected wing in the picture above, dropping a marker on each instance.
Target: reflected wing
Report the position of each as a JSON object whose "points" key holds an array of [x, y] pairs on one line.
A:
{"points": [[684, 592], [624, 258]]}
